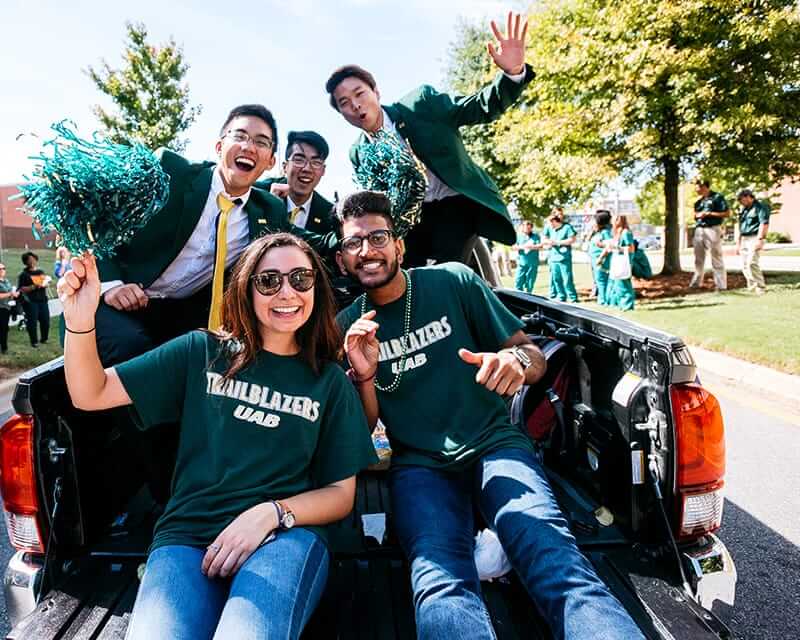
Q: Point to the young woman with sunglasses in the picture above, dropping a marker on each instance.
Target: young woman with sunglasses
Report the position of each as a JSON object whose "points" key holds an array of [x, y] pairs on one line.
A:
{"points": [[272, 435]]}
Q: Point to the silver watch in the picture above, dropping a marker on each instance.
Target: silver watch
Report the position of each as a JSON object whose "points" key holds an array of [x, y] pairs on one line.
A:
{"points": [[522, 357]]}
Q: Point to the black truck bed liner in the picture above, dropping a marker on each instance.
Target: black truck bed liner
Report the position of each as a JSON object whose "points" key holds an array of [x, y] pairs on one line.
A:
{"points": [[368, 595]]}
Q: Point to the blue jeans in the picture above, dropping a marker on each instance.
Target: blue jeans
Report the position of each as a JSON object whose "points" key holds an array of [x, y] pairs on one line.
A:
{"points": [[271, 596], [433, 515]]}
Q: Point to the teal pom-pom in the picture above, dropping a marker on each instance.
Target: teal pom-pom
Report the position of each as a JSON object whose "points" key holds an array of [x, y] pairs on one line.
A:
{"points": [[94, 194], [388, 165]]}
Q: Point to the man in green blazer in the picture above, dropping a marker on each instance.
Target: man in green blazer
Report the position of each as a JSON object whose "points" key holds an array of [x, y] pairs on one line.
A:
{"points": [[159, 285], [461, 200], [306, 153]]}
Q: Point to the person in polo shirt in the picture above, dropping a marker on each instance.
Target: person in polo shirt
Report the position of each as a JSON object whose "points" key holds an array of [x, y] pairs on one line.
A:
{"points": [[433, 352], [272, 434], [753, 228], [710, 210]]}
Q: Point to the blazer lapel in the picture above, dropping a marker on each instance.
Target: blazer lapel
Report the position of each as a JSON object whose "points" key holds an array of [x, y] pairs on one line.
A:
{"points": [[194, 201]]}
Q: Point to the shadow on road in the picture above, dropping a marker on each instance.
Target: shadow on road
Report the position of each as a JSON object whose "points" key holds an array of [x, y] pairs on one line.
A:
{"points": [[768, 590]]}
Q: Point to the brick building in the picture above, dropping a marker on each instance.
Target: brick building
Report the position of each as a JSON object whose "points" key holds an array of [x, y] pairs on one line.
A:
{"points": [[15, 226], [787, 220]]}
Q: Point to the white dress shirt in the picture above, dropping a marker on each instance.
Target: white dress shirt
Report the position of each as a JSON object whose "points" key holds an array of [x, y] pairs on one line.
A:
{"points": [[193, 267], [302, 215]]}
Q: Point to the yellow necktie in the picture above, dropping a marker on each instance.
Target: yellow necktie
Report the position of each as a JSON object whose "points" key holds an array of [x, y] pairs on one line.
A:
{"points": [[294, 213], [217, 284]]}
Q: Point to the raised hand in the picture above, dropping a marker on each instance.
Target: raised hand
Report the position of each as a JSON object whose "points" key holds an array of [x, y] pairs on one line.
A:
{"points": [[509, 53], [79, 292], [500, 372], [361, 346]]}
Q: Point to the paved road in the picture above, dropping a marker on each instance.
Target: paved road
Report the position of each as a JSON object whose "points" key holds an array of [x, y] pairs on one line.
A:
{"points": [[762, 526]]}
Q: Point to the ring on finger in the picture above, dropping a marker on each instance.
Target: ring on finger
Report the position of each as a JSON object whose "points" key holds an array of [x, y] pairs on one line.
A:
{"points": [[214, 547]]}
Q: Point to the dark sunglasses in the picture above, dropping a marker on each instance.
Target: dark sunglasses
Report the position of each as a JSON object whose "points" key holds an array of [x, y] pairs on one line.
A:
{"points": [[268, 283], [378, 239]]}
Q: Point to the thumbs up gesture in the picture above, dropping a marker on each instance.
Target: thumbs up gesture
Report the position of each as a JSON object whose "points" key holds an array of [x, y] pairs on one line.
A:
{"points": [[500, 372]]}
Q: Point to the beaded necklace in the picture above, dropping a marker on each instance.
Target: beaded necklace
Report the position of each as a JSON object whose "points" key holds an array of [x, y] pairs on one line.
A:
{"points": [[406, 330]]}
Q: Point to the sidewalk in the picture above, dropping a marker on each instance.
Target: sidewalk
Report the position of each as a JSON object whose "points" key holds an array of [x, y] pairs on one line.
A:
{"points": [[753, 376]]}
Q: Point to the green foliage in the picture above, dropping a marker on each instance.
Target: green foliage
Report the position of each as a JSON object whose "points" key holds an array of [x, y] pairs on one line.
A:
{"points": [[149, 93], [776, 237], [666, 88]]}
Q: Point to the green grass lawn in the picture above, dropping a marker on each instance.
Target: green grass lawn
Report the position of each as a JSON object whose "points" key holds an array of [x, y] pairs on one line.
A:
{"points": [[21, 356], [738, 323], [789, 253]]}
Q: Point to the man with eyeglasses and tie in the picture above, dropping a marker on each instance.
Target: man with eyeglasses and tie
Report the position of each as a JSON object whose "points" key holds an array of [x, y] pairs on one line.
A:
{"points": [[306, 152], [169, 279]]}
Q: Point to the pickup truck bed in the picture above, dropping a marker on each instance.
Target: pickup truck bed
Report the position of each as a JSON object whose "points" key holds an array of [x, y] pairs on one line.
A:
{"points": [[368, 595]]}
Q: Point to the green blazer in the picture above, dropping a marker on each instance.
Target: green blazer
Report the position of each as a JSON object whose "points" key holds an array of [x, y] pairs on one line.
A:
{"points": [[153, 248], [320, 215], [430, 122]]}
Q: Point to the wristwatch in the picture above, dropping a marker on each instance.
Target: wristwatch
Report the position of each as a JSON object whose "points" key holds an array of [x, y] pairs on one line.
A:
{"points": [[522, 356], [285, 516]]}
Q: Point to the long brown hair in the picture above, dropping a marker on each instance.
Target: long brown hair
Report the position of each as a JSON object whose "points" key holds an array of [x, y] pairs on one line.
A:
{"points": [[319, 339], [619, 225]]}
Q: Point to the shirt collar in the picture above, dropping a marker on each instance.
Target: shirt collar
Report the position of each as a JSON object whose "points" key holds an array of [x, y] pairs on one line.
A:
{"points": [[217, 187], [291, 205], [388, 125]]}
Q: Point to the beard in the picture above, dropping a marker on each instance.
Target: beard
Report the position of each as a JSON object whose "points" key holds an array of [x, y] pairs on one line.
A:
{"points": [[392, 268]]}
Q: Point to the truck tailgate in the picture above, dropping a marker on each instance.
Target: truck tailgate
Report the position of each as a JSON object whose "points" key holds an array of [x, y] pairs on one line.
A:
{"points": [[368, 595]]}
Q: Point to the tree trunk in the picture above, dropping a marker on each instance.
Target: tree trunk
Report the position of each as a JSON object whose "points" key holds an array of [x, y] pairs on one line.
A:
{"points": [[672, 253]]}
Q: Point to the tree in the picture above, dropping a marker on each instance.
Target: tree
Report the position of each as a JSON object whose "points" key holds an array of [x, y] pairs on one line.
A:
{"points": [[663, 87], [148, 91], [527, 168]]}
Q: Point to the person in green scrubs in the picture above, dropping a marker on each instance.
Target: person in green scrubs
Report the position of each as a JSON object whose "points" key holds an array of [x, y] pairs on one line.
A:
{"points": [[559, 236], [527, 246], [599, 257], [622, 294], [272, 434]]}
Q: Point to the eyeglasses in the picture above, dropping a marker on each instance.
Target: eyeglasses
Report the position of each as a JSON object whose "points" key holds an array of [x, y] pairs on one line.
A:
{"points": [[301, 161], [378, 239], [268, 283], [263, 143]]}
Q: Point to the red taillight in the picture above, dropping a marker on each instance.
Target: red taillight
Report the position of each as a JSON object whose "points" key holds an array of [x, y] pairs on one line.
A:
{"points": [[700, 448], [18, 484]]}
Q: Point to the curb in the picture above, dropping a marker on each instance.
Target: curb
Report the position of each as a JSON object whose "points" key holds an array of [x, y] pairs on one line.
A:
{"points": [[751, 375], [8, 384]]}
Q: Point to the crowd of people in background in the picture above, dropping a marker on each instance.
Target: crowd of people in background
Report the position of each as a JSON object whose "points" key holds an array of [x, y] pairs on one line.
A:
{"points": [[615, 257]]}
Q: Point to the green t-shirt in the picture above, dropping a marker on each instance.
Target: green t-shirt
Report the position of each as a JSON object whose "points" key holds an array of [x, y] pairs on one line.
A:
{"points": [[626, 240], [439, 416], [712, 202], [271, 432], [752, 217], [528, 256], [561, 253]]}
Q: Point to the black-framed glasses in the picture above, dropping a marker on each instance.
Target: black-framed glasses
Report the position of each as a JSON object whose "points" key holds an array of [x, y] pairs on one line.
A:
{"points": [[268, 283], [263, 143], [378, 239], [300, 161]]}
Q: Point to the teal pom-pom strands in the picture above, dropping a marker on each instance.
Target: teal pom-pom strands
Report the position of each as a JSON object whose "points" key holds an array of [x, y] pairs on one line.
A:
{"points": [[387, 164], [94, 194]]}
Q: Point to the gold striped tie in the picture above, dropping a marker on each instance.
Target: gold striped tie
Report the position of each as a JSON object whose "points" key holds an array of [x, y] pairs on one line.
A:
{"points": [[217, 284], [294, 213]]}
